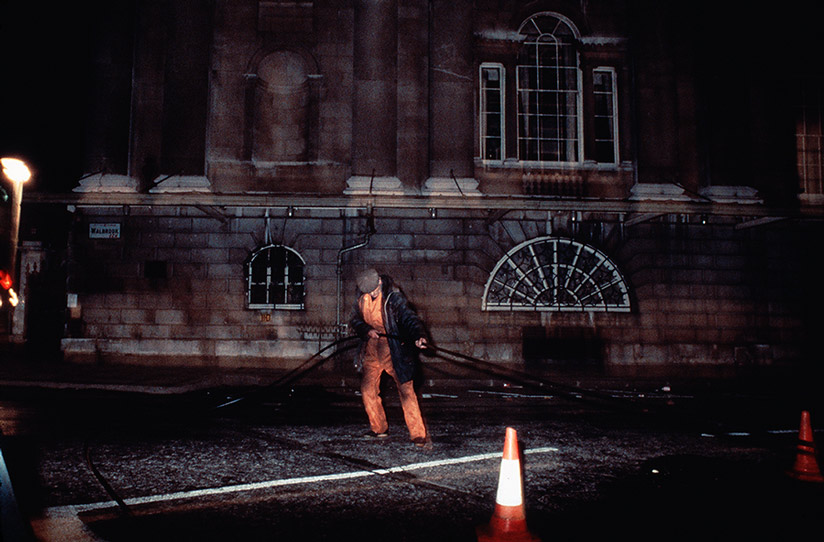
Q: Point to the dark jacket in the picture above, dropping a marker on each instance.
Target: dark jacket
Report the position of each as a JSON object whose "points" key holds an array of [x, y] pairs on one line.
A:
{"points": [[403, 328]]}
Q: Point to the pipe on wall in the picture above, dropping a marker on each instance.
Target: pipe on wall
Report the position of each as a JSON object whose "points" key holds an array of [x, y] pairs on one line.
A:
{"points": [[370, 229]]}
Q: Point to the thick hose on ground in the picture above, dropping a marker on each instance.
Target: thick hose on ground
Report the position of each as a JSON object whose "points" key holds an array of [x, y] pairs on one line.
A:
{"points": [[106, 485]]}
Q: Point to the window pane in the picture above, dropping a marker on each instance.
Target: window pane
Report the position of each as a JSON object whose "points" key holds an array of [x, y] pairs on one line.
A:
{"points": [[493, 149], [493, 101], [604, 151], [603, 128], [276, 293], [491, 77], [549, 128], [550, 150], [570, 105], [493, 126], [547, 103], [527, 77], [260, 267], [528, 102], [603, 104], [547, 78], [528, 148], [601, 81], [257, 294]]}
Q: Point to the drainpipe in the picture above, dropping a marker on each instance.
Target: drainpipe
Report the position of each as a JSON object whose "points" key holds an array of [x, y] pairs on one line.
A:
{"points": [[370, 229]]}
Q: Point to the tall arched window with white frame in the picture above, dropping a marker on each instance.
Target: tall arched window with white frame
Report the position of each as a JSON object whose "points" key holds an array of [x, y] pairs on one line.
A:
{"points": [[548, 86], [275, 279]]}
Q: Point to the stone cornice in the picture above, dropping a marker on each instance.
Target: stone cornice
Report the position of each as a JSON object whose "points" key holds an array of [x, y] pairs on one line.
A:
{"points": [[455, 202]]}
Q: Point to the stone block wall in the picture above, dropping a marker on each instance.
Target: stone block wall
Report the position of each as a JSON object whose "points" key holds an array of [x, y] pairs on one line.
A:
{"points": [[704, 295]]}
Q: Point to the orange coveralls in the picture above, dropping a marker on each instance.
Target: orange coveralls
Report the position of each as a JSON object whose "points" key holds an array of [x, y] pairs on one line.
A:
{"points": [[376, 361]]}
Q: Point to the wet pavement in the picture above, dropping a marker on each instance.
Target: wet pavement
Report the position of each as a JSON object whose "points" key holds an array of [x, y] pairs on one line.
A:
{"points": [[137, 453]]}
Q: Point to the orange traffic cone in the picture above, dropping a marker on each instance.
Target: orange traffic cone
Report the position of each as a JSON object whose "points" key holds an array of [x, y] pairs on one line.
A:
{"points": [[508, 523], [806, 466]]}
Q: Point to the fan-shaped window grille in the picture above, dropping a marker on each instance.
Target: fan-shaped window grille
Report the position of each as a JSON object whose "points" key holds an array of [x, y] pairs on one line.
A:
{"points": [[555, 274], [274, 279]]}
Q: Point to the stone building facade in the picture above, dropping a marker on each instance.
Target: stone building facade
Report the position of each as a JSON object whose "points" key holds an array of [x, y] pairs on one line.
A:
{"points": [[550, 182]]}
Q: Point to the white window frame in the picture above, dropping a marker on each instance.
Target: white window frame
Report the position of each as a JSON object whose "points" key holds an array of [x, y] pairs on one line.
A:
{"points": [[556, 274], [484, 111], [288, 279], [614, 116], [578, 139]]}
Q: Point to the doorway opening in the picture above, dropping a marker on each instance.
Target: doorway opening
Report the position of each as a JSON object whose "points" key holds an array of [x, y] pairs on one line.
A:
{"points": [[573, 348]]}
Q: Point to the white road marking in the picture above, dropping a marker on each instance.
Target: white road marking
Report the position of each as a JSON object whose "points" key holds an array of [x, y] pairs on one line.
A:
{"points": [[238, 488]]}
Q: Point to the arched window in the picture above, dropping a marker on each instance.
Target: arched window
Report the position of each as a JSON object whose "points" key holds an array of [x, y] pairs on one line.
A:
{"points": [[274, 279], [548, 82], [555, 274]]}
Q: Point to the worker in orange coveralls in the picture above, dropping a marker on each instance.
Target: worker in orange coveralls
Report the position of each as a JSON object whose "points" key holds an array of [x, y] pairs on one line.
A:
{"points": [[392, 335]]}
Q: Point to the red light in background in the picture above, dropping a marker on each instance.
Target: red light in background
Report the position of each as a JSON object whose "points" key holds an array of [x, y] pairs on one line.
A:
{"points": [[5, 280]]}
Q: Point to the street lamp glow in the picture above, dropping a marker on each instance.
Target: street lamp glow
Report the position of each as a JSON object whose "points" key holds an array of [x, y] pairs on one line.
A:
{"points": [[13, 300], [15, 170], [18, 173]]}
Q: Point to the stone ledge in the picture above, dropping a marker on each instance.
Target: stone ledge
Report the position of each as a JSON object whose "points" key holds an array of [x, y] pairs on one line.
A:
{"points": [[363, 185], [447, 186], [181, 183], [658, 192], [106, 182]]}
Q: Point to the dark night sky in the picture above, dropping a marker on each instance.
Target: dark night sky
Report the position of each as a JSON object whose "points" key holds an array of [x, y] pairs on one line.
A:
{"points": [[44, 59]]}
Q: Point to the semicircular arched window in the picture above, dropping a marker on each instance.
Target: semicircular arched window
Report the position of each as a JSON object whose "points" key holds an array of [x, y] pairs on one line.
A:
{"points": [[275, 279], [556, 274]]}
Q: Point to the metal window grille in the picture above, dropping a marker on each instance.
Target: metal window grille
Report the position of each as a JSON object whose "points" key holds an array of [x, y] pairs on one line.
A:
{"points": [[556, 274], [548, 82], [492, 112], [605, 116], [275, 279]]}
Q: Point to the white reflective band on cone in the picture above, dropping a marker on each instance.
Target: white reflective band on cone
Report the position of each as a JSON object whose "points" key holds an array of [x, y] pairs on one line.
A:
{"points": [[509, 484]]}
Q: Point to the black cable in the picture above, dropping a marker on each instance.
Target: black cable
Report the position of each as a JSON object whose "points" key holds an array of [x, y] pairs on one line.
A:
{"points": [[645, 408], [287, 378], [298, 372], [526, 379], [574, 393], [517, 377], [106, 486]]}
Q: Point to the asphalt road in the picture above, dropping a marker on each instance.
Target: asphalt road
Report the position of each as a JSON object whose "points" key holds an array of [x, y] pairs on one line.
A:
{"points": [[292, 464]]}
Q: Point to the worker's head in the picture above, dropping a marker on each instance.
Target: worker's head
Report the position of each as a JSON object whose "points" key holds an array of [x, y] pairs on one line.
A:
{"points": [[369, 282]]}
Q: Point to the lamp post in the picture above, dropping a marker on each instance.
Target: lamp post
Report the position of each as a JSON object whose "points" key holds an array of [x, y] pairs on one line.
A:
{"points": [[16, 171]]}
